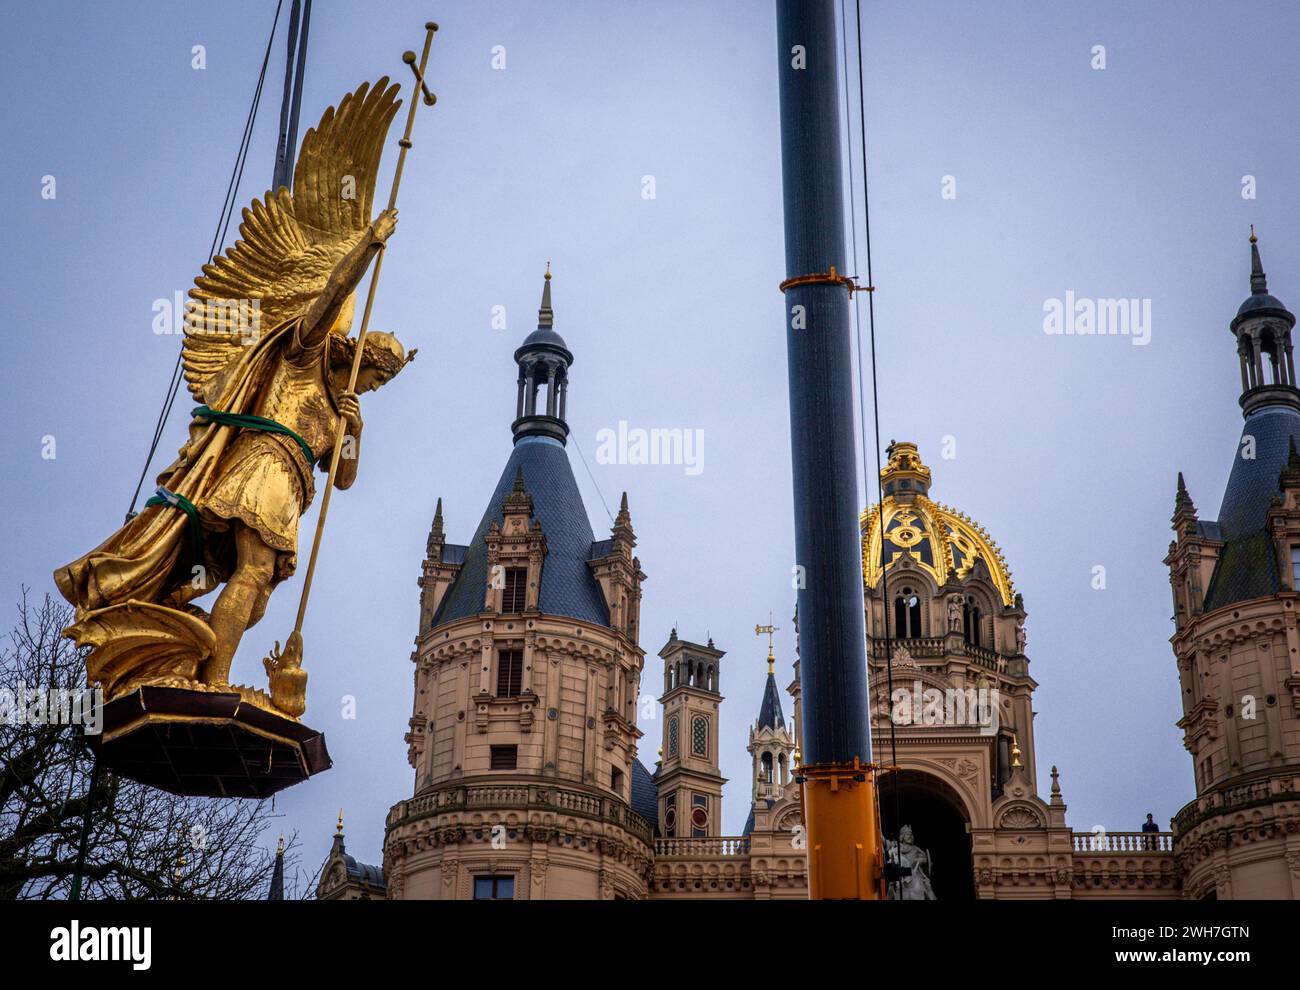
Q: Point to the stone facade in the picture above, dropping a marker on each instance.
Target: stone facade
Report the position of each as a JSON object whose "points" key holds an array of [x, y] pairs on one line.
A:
{"points": [[1236, 590], [523, 736]]}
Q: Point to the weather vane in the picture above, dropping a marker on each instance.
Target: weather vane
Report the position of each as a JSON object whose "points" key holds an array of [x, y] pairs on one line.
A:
{"points": [[771, 631]]}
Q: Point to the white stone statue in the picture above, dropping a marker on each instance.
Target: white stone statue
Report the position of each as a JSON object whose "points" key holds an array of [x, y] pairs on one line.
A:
{"points": [[905, 852], [954, 613], [1021, 637]]}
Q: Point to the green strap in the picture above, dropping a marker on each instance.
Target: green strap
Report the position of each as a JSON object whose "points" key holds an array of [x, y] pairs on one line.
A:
{"points": [[164, 497], [247, 422]]}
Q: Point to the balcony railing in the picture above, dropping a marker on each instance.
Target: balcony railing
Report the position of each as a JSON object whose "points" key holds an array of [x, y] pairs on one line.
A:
{"points": [[706, 848], [1231, 798], [936, 648], [522, 797], [1123, 842]]}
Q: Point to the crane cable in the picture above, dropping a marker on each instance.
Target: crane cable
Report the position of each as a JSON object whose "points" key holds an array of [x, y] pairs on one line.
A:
{"points": [[875, 386], [218, 238]]}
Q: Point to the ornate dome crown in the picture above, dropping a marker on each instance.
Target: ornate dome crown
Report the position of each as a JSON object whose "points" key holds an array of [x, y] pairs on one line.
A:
{"points": [[940, 541]]}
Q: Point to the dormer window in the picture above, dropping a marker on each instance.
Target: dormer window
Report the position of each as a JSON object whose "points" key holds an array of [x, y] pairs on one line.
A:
{"points": [[514, 593], [1295, 568]]}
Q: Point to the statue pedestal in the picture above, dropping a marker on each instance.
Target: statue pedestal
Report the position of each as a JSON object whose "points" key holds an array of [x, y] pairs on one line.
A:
{"points": [[205, 744]]}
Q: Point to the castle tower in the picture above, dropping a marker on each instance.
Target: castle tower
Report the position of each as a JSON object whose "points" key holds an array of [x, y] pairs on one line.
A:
{"points": [[771, 747], [689, 780], [523, 732], [950, 683], [1235, 584]]}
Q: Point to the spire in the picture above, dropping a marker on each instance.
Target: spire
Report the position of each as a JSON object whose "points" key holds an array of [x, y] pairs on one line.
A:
{"points": [[1262, 327], [1258, 283], [624, 517], [1183, 506], [433, 546], [544, 361], [337, 847], [545, 317], [769, 713], [276, 893]]}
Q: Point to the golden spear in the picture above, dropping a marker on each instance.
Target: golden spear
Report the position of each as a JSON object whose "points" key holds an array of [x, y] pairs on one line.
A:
{"points": [[281, 662]]}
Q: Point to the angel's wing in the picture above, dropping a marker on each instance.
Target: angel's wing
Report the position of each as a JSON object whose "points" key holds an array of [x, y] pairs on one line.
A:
{"points": [[334, 180], [289, 245]]}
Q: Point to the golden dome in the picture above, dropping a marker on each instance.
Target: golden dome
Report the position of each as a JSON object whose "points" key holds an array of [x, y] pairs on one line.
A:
{"points": [[940, 541]]}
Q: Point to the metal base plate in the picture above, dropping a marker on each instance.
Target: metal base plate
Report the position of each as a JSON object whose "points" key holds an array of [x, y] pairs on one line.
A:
{"points": [[204, 744]]}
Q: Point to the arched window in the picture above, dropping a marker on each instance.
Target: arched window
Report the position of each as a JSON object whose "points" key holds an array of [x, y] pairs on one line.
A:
{"points": [[672, 736], [907, 615], [971, 619], [767, 768]]}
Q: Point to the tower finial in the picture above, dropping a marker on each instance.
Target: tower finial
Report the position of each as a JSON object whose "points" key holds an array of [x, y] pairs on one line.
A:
{"points": [[340, 829], [545, 316], [1258, 283], [770, 630], [1183, 505]]}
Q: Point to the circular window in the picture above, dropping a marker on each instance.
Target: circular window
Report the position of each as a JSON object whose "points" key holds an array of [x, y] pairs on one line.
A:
{"points": [[670, 817], [699, 818]]}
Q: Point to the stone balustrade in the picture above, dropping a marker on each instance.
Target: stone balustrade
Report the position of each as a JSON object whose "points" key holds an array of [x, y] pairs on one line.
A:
{"points": [[1123, 842], [936, 648], [1240, 796], [524, 797], [704, 848]]}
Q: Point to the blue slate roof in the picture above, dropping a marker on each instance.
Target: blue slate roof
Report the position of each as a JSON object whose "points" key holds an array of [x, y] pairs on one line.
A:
{"points": [[1247, 567], [769, 713], [364, 872], [645, 795], [568, 586]]}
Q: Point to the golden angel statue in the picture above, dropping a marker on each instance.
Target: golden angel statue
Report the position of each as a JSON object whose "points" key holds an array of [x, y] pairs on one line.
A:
{"points": [[266, 352]]}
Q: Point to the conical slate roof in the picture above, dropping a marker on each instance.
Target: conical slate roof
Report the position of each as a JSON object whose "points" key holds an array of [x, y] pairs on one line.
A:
{"points": [[769, 713], [568, 586]]}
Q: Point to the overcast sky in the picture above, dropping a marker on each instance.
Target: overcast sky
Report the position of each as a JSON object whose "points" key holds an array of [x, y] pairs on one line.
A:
{"points": [[1117, 182]]}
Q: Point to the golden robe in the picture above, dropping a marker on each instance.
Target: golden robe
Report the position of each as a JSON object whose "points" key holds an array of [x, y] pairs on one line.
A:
{"points": [[228, 473]]}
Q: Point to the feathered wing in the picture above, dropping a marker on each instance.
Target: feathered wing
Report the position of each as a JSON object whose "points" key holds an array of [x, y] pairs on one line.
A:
{"points": [[289, 244], [334, 180]]}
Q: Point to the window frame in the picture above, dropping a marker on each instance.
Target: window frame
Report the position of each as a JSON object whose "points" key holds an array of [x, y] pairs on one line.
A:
{"points": [[514, 592], [511, 676], [494, 880]]}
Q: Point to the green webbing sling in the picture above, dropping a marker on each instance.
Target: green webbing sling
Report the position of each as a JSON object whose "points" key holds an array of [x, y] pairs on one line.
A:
{"points": [[164, 497], [247, 422], [241, 421]]}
